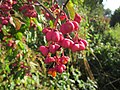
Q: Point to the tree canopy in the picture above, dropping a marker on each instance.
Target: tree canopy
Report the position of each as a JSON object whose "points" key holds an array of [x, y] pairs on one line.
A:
{"points": [[115, 18]]}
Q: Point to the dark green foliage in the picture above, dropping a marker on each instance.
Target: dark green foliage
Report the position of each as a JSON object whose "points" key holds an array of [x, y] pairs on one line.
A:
{"points": [[104, 57], [115, 18]]}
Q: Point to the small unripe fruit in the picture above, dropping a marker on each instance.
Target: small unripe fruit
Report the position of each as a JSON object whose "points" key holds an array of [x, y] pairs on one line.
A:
{"points": [[44, 50], [22, 66]]}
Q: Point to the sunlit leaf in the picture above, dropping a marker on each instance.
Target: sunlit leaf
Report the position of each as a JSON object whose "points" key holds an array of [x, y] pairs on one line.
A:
{"points": [[71, 10], [19, 35], [16, 22], [37, 23]]}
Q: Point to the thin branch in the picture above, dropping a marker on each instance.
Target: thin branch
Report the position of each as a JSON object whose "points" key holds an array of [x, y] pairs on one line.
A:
{"points": [[64, 6], [38, 3], [112, 82]]}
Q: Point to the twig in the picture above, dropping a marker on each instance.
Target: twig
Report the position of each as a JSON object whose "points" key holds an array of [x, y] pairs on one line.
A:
{"points": [[112, 82], [46, 10], [64, 6]]}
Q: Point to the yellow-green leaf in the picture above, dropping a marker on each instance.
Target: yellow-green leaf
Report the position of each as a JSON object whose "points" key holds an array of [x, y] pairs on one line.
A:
{"points": [[70, 7]]}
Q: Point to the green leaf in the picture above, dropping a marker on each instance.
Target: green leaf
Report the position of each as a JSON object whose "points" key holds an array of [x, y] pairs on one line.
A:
{"points": [[7, 68], [38, 24], [51, 24], [21, 45], [19, 35]]}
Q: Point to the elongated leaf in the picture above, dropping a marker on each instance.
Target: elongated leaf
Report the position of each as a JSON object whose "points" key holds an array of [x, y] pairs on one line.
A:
{"points": [[71, 10], [37, 23], [16, 22]]}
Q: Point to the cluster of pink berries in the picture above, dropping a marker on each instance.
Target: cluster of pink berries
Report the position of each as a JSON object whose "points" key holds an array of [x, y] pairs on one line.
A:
{"points": [[57, 40], [56, 10], [5, 7], [28, 10]]}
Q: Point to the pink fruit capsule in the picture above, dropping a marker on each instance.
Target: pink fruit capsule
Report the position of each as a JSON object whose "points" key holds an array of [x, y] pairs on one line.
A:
{"points": [[66, 43], [75, 47], [81, 47], [60, 68], [64, 59], [76, 25], [85, 42], [44, 50], [77, 18], [49, 60], [63, 28], [4, 22], [49, 36], [45, 30], [61, 36], [69, 26], [56, 36], [52, 49], [57, 46]]}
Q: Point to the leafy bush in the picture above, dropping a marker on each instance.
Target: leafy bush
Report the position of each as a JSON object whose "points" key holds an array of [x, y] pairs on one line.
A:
{"points": [[22, 66], [104, 55]]}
